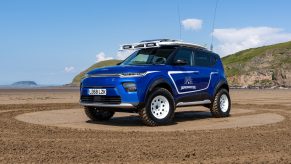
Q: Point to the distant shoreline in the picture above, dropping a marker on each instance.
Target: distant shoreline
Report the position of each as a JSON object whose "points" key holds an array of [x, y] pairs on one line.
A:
{"points": [[7, 87]]}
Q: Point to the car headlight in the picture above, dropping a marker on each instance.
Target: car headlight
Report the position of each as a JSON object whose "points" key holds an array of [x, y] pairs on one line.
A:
{"points": [[129, 86], [86, 76], [137, 74]]}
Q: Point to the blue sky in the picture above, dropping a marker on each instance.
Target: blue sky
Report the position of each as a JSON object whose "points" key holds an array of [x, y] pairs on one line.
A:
{"points": [[50, 41]]}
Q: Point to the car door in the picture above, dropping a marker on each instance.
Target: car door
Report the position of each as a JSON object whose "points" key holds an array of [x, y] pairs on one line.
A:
{"points": [[186, 77], [203, 63]]}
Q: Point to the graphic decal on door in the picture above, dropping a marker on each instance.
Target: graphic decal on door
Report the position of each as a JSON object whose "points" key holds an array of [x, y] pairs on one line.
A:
{"points": [[170, 73], [188, 84]]}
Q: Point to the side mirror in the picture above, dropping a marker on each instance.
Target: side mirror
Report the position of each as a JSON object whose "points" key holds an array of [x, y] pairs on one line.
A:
{"points": [[180, 62], [119, 63]]}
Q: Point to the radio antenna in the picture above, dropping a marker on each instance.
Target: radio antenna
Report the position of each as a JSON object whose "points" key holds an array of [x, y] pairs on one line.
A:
{"points": [[213, 25], [179, 17]]}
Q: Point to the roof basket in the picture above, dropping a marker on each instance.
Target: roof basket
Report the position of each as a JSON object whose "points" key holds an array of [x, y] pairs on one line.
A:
{"points": [[158, 43], [159, 40]]}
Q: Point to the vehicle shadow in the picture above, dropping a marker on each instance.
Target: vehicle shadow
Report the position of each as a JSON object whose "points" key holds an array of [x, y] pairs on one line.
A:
{"points": [[134, 119]]}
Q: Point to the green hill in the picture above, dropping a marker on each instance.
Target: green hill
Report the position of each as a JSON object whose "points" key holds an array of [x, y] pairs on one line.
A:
{"points": [[266, 66], [77, 79]]}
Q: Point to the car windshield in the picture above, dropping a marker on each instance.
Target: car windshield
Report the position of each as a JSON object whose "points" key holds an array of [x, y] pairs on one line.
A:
{"points": [[150, 56]]}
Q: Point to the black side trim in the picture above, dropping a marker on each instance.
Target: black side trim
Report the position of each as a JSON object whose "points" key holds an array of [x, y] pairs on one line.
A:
{"points": [[192, 97]]}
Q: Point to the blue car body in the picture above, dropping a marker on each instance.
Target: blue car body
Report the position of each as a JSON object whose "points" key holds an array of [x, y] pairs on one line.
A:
{"points": [[189, 85]]}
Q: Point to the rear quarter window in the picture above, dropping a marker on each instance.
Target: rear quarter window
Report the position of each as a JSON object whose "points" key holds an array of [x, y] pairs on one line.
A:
{"points": [[203, 59], [214, 59]]}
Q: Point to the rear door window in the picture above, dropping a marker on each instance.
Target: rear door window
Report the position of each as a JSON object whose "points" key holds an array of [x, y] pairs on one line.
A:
{"points": [[185, 55]]}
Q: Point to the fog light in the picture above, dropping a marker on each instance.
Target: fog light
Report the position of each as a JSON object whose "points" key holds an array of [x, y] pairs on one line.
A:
{"points": [[129, 87]]}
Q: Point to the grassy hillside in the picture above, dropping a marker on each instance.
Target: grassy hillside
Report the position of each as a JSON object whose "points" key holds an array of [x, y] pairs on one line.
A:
{"points": [[77, 79], [262, 66]]}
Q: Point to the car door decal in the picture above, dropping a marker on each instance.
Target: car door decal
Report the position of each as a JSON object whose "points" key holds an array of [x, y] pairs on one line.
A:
{"points": [[178, 72]]}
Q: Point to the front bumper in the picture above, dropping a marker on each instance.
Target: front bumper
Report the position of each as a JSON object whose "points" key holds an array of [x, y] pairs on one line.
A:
{"points": [[116, 97], [103, 105]]}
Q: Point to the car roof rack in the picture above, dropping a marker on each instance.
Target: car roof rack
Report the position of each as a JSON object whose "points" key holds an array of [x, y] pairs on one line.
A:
{"points": [[159, 43], [159, 40]]}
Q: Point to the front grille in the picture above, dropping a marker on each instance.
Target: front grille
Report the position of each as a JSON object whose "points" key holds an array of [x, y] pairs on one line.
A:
{"points": [[101, 99]]}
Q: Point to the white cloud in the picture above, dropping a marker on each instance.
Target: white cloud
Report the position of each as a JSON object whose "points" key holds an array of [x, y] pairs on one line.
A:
{"points": [[101, 56], [123, 54], [231, 40], [192, 24], [69, 69]]}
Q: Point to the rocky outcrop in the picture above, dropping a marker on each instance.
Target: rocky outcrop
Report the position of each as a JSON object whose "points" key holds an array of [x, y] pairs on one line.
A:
{"points": [[265, 67], [264, 78]]}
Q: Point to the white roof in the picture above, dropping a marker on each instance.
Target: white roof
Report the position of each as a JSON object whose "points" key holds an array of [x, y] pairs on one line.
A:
{"points": [[158, 43]]}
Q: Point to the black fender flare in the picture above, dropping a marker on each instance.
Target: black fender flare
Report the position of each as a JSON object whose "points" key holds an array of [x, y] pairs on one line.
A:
{"points": [[151, 86], [222, 83], [157, 82]]}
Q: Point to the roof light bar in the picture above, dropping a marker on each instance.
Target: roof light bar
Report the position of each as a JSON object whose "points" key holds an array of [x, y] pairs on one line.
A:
{"points": [[139, 45], [127, 47], [151, 44]]}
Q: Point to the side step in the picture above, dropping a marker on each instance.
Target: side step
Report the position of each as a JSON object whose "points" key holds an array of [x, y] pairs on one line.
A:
{"points": [[181, 104]]}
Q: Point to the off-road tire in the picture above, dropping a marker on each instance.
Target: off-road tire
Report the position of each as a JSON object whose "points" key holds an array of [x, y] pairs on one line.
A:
{"points": [[96, 114], [146, 114], [215, 106]]}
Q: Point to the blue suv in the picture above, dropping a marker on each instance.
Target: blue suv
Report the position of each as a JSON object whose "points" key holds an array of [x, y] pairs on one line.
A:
{"points": [[158, 77]]}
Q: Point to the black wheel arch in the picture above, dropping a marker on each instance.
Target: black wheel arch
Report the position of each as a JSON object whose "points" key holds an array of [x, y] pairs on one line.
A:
{"points": [[160, 83], [221, 85]]}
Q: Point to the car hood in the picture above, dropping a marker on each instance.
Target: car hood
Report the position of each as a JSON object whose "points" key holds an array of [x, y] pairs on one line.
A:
{"points": [[125, 69]]}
